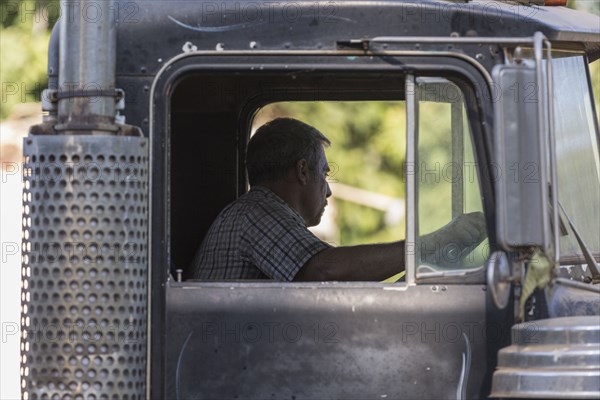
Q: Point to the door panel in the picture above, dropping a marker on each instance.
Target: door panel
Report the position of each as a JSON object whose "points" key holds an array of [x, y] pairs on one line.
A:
{"points": [[339, 340]]}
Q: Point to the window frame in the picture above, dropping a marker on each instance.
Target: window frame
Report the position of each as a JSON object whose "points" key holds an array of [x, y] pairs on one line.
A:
{"points": [[451, 66], [463, 70], [459, 121]]}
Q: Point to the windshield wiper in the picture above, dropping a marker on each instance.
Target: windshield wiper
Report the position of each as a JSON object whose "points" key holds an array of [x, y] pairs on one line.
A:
{"points": [[587, 254]]}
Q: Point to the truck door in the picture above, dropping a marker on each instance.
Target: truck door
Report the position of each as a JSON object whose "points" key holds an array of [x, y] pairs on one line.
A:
{"points": [[422, 337]]}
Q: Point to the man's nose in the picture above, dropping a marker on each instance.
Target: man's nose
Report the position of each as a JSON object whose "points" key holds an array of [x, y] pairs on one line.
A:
{"points": [[328, 190]]}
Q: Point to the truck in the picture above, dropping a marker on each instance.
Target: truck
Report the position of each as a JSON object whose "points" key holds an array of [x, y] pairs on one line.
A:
{"points": [[148, 111]]}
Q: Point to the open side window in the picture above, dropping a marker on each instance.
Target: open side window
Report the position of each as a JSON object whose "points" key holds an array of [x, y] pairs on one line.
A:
{"points": [[366, 157], [365, 115]]}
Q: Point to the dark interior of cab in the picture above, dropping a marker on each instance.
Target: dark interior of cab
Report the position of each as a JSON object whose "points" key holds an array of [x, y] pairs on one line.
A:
{"points": [[211, 118]]}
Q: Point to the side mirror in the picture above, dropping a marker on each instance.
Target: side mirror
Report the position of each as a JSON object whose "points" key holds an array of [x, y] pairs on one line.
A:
{"points": [[521, 154]]}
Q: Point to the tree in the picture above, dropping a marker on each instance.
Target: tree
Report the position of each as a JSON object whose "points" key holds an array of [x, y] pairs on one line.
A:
{"points": [[24, 34]]}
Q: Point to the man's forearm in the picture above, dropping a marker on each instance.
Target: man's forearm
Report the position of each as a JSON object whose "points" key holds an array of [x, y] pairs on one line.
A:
{"points": [[369, 262]]}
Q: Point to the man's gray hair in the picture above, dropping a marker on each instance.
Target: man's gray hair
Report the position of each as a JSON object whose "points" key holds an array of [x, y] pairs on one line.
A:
{"points": [[278, 145]]}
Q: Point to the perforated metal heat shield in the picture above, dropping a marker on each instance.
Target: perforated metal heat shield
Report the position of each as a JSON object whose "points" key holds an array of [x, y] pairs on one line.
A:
{"points": [[84, 267]]}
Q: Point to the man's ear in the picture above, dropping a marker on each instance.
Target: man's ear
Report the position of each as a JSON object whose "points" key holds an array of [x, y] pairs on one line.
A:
{"points": [[302, 171]]}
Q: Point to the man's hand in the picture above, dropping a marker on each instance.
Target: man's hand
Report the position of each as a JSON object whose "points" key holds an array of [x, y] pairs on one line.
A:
{"points": [[455, 240]]}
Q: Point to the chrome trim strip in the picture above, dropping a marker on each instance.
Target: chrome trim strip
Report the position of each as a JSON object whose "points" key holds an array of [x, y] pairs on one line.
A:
{"points": [[412, 131], [553, 159], [543, 138], [451, 39], [461, 390]]}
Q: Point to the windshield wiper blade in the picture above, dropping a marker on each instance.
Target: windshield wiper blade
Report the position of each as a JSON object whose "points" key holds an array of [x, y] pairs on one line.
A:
{"points": [[587, 254]]}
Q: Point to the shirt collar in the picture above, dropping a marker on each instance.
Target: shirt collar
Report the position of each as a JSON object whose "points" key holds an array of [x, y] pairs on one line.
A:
{"points": [[268, 192]]}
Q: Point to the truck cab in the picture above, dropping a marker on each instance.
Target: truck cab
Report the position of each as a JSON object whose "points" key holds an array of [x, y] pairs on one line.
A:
{"points": [[435, 109]]}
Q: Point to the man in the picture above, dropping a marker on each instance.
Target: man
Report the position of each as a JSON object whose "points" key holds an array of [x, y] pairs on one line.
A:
{"points": [[264, 234]]}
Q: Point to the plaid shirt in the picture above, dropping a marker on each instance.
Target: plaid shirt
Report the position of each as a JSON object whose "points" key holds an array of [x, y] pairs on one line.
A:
{"points": [[258, 236]]}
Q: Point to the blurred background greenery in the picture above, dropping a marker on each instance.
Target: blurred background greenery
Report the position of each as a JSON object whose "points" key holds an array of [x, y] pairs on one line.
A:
{"points": [[24, 35]]}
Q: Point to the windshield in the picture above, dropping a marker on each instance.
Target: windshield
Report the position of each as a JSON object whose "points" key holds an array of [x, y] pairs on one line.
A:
{"points": [[578, 163]]}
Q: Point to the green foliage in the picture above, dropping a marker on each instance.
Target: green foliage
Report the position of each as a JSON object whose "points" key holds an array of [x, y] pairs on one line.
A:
{"points": [[24, 36], [595, 76], [589, 6], [435, 141]]}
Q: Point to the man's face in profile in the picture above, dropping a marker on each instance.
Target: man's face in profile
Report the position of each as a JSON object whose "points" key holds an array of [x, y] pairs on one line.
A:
{"points": [[317, 191]]}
